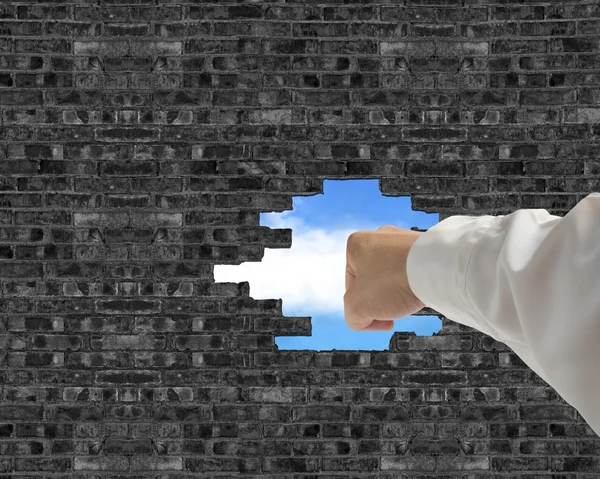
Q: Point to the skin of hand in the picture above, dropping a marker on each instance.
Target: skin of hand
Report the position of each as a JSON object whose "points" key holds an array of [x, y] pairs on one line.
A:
{"points": [[377, 289]]}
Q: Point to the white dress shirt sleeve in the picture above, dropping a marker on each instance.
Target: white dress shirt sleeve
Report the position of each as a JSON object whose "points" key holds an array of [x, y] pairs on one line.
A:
{"points": [[528, 279]]}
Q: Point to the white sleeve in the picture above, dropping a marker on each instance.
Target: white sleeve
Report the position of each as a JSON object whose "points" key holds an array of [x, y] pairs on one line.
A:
{"points": [[528, 279]]}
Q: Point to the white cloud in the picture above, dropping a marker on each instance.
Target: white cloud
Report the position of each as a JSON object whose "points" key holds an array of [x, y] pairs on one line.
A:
{"points": [[309, 277]]}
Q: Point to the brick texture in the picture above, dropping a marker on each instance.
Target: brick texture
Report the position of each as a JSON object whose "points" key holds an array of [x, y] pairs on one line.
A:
{"points": [[139, 142]]}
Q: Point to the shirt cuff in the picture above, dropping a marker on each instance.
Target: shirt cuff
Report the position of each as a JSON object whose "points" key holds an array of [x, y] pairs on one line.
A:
{"points": [[437, 264]]}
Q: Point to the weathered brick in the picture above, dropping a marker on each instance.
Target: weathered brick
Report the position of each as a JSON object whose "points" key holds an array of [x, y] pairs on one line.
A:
{"points": [[43, 464], [55, 46], [21, 448], [56, 342], [21, 270], [129, 134], [140, 143], [36, 360], [156, 342], [124, 306], [128, 377], [197, 343], [100, 463], [20, 412], [43, 12], [71, 394], [157, 463], [62, 412], [181, 413], [49, 431], [36, 323], [20, 98], [96, 360], [105, 219]]}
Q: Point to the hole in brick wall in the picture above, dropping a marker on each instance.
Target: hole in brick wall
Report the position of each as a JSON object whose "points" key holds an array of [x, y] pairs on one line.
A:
{"points": [[310, 276]]}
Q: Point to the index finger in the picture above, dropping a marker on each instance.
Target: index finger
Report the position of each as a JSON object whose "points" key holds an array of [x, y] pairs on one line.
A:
{"points": [[350, 277]]}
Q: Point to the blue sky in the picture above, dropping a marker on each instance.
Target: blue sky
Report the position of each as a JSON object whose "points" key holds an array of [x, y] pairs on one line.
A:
{"points": [[310, 276]]}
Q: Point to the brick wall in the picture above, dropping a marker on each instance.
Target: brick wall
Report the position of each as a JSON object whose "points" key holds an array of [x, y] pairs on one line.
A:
{"points": [[139, 144]]}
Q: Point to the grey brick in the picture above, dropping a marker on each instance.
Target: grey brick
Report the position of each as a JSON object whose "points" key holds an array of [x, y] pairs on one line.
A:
{"points": [[140, 142]]}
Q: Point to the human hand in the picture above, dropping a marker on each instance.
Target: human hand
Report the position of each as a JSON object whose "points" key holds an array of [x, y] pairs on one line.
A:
{"points": [[377, 289]]}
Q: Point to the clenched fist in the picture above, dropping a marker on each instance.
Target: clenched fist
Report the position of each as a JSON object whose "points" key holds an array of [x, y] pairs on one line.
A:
{"points": [[377, 289]]}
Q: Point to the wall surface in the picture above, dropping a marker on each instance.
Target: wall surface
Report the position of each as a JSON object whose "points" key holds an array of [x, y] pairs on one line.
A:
{"points": [[139, 144]]}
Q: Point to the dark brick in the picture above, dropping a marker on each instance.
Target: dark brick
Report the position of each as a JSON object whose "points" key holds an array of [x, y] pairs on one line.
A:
{"points": [[39, 360], [74, 413], [54, 46], [22, 270], [141, 141], [128, 377], [43, 12], [128, 448], [181, 413], [43, 464], [20, 98], [6, 252], [129, 134], [21, 412], [6, 79], [62, 447]]}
